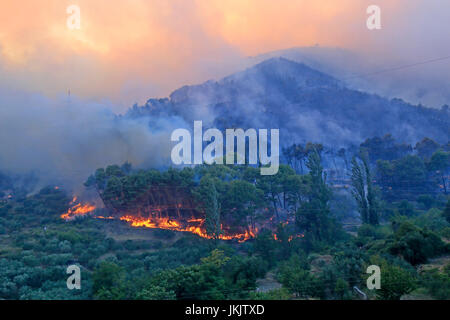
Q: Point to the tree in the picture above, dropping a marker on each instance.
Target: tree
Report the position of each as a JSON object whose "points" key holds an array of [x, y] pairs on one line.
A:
{"points": [[437, 282], [296, 189], [155, 292], [394, 283], [414, 244], [241, 274], [288, 154], [295, 155], [426, 148], [342, 289], [266, 246], [295, 276], [403, 178], [311, 148], [108, 282], [313, 216], [202, 281], [274, 186], [242, 199], [384, 148], [209, 197]]}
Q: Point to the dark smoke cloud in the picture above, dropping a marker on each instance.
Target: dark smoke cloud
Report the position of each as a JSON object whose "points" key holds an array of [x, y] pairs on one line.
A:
{"points": [[64, 140]]}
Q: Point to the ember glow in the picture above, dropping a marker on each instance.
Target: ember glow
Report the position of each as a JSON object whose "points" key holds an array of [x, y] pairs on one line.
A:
{"points": [[195, 226], [77, 209], [275, 237], [129, 48]]}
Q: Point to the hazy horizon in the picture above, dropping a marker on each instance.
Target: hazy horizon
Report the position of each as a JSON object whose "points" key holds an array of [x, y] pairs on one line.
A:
{"points": [[128, 52]]}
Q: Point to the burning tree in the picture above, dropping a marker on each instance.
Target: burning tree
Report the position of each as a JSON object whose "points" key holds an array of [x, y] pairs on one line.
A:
{"points": [[171, 200], [207, 192]]}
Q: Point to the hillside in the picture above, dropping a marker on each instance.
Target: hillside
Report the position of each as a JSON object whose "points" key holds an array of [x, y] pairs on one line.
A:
{"points": [[305, 104]]}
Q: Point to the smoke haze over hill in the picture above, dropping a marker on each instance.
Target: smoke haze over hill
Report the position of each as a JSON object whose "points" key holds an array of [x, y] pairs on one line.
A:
{"points": [[306, 104], [132, 51], [63, 140]]}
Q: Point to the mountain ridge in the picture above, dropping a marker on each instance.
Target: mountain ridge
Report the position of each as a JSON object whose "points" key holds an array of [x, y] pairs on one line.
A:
{"points": [[308, 104]]}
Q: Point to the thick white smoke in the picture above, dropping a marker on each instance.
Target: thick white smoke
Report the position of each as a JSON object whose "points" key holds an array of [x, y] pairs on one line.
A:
{"points": [[64, 140]]}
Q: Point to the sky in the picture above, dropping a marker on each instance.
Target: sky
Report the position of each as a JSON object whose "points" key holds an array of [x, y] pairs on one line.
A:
{"points": [[127, 51]]}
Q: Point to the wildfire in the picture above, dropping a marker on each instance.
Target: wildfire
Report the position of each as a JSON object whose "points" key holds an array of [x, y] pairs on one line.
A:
{"points": [[77, 209], [295, 237], [193, 225], [275, 237], [197, 228]]}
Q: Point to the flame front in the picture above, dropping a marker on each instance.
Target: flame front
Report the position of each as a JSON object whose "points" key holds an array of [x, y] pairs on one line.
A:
{"points": [[197, 227], [77, 209], [194, 225]]}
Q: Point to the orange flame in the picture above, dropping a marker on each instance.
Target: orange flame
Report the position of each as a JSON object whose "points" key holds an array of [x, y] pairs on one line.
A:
{"points": [[275, 237], [77, 209], [193, 225], [104, 218], [198, 229]]}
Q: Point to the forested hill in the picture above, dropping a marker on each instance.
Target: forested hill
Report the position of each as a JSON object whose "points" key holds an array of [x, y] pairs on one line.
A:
{"points": [[307, 105]]}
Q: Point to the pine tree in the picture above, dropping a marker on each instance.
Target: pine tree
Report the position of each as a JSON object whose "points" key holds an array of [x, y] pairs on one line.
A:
{"points": [[209, 197], [314, 216], [213, 214]]}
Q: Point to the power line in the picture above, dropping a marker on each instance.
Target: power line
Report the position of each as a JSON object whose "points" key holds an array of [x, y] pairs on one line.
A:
{"points": [[398, 68]]}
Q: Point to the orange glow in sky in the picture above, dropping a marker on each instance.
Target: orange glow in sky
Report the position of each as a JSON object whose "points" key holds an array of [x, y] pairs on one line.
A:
{"points": [[130, 50]]}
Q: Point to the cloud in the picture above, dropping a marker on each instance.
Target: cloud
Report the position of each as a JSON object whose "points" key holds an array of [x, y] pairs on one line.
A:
{"points": [[131, 50], [128, 51], [64, 141], [122, 49]]}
